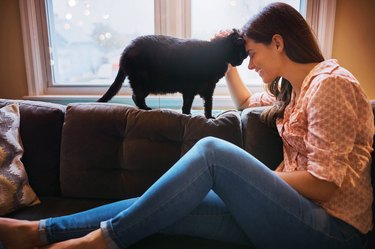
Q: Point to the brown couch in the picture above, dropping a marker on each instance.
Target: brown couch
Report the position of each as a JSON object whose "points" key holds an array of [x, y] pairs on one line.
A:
{"points": [[87, 154]]}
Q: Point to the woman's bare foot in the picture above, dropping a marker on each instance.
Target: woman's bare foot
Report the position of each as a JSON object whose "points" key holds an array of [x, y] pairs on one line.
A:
{"points": [[91, 240], [19, 234]]}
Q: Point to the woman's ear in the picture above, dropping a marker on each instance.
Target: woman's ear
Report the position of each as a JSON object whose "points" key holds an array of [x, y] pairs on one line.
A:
{"points": [[278, 42]]}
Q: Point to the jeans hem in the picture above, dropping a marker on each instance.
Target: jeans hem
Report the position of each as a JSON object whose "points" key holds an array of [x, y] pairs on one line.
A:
{"points": [[43, 231], [106, 235]]}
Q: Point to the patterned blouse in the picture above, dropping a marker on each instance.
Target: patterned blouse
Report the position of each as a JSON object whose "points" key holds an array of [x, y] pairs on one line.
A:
{"points": [[328, 131]]}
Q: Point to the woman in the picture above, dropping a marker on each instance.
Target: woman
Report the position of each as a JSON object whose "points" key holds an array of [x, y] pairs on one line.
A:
{"points": [[310, 201]]}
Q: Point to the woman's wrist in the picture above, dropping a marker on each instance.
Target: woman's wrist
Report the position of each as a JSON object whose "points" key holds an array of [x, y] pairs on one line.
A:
{"points": [[230, 71]]}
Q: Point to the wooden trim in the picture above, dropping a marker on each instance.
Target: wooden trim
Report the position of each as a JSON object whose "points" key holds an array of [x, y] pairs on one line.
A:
{"points": [[319, 13]]}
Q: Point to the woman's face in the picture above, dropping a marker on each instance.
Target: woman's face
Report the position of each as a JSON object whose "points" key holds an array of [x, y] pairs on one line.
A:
{"points": [[264, 59]]}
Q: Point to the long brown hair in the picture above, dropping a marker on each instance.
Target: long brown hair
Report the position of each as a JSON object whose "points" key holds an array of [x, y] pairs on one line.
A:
{"points": [[300, 45]]}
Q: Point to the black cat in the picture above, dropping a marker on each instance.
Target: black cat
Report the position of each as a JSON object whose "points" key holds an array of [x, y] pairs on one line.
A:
{"points": [[161, 64]]}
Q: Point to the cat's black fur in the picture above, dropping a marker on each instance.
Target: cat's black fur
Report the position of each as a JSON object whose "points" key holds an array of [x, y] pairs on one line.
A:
{"points": [[160, 64]]}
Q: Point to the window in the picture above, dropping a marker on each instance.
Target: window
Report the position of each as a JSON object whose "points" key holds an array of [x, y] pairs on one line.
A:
{"points": [[86, 38], [72, 47]]}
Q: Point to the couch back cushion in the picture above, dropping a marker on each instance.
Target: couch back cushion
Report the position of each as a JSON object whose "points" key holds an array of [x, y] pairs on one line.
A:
{"points": [[117, 151], [261, 140], [40, 128]]}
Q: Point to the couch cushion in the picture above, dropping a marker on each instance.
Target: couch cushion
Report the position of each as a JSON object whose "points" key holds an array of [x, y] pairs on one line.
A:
{"points": [[225, 126], [40, 127], [162, 241], [261, 140], [52, 206], [117, 151]]}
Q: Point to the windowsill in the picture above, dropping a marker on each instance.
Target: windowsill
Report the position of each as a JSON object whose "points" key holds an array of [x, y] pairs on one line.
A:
{"points": [[155, 102]]}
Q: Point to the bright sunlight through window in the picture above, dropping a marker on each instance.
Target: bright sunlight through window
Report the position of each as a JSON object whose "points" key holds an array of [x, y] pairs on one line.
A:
{"points": [[87, 37]]}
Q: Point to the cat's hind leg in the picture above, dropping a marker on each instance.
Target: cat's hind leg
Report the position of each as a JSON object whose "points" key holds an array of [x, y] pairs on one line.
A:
{"points": [[140, 100], [139, 84]]}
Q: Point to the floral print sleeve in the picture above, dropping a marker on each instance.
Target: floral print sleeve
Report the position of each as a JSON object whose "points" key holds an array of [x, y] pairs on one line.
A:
{"points": [[332, 119], [261, 99]]}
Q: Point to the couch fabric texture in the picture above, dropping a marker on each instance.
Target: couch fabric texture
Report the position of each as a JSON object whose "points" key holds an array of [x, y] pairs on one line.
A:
{"points": [[87, 154], [119, 146]]}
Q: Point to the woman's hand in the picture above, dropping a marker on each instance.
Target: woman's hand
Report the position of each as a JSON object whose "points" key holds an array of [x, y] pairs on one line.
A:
{"points": [[238, 90], [221, 34], [309, 186]]}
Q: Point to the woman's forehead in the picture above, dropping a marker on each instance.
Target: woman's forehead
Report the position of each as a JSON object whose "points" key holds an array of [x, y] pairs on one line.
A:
{"points": [[249, 43]]}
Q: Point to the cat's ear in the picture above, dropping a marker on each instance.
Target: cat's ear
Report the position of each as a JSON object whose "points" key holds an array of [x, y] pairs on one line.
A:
{"points": [[238, 36], [236, 31]]}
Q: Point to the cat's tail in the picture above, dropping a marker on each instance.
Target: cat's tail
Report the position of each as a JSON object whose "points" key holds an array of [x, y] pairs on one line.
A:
{"points": [[115, 87]]}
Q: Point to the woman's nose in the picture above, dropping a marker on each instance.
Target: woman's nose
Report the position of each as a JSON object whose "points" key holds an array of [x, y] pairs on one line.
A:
{"points": [[251, 65]]}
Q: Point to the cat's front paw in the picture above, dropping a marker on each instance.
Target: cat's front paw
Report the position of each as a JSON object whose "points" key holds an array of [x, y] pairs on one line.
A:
{"points": [[210, 117]]}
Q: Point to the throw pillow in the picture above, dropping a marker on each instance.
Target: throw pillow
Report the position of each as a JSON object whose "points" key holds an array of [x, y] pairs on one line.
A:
{"points": [[15, 191]]}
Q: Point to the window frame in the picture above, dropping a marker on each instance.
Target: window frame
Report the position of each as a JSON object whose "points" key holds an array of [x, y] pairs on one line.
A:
{"points": [[320, 14]]}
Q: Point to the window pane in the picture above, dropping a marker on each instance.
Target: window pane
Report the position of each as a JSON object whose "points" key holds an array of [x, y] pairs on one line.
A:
{"points": [[228, 14], [88, 36]]}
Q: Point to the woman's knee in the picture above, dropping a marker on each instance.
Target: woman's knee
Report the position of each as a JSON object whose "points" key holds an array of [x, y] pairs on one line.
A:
{"points": [[229, 154], [218, 149], [209, 143]]}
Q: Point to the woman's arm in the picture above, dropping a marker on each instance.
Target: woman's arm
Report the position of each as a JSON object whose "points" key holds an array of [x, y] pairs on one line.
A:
{"points": [[238, 90], [309, 186]]}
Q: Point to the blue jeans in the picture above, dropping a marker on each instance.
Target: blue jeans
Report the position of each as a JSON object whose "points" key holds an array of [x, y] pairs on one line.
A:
{"points": [[216, 191]]}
